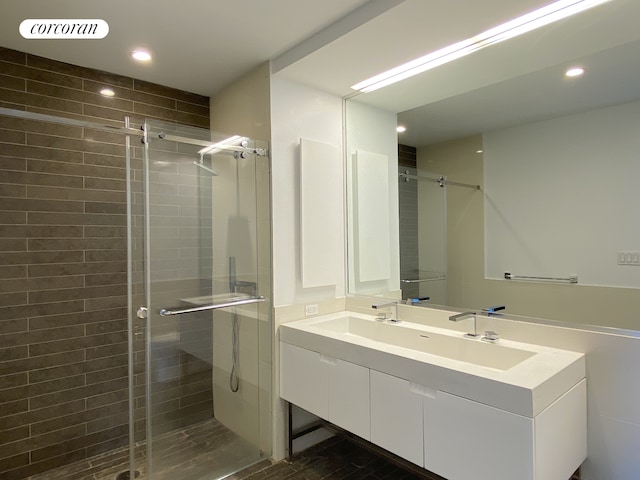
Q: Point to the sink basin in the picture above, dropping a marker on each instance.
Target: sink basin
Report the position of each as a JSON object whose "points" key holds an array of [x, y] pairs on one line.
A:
{"points": [[521, 378], [455, 348]]}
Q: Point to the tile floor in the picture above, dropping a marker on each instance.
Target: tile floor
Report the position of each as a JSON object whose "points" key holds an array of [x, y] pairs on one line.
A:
{"points": [[338, 458], [195, 453], [206, 450]]}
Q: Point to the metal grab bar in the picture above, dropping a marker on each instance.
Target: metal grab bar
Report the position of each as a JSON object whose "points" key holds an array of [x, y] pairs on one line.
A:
{"points": [[571, 279], [165, 312]]}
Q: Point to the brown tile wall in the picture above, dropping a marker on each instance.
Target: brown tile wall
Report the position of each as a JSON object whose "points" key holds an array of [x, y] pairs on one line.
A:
{"points": [[63, 318], [408, 220], [407, 156]]}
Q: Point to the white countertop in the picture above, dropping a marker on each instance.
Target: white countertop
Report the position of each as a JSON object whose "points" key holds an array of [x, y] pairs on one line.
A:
{"points": [[524, 389]]}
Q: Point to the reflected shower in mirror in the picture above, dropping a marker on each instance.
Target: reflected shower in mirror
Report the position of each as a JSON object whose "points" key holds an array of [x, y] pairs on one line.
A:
{"points": [[555, 159]]}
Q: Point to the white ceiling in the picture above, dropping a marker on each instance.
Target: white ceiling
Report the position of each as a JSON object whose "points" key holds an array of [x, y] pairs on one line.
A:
{"points": [[522, 80], [197, 45], [407, 31], [203, 45]]}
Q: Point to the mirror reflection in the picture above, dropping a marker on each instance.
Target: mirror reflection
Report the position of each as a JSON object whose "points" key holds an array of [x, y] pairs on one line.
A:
{"points": [[514, 183]]}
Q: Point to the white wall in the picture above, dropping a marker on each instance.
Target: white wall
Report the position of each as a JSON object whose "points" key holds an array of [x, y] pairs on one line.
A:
{"points": [[562, 196], [468, 287], [379, 137], [243, 108], [299, 112]]}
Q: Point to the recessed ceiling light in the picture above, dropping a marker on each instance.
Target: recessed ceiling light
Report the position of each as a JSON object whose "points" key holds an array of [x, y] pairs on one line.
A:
{"points": [[401, 129], [479, 151], [141, 55], [107, 92], [574, 72]]}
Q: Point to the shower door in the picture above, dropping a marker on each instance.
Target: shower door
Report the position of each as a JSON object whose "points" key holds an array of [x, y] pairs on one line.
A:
{"points": [[195, 293], [423, 235]]}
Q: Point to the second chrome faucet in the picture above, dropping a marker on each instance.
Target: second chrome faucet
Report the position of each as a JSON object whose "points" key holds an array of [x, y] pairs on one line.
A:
{"points": [[462, 316], [489, 336], [383, 315]]}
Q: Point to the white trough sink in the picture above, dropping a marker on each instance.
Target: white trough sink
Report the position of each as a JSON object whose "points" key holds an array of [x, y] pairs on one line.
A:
{"points": [[517, 377], [449, 346]]}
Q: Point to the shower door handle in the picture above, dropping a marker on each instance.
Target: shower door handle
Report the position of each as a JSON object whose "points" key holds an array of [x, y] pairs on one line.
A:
{"points": [[164, 312]]}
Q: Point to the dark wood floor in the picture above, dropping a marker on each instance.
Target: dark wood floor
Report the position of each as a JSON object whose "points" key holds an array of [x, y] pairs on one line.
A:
{"points": [[341, 458], [205, 450], [338, 458]]}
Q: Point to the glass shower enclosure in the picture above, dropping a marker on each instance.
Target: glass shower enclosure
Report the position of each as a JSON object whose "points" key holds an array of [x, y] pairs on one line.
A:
{"points": [[423, 235], [194, 303], [198, 334]]}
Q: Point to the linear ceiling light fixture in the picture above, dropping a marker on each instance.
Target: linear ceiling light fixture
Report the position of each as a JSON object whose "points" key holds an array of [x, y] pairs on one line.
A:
{"points": [[538, 18]]}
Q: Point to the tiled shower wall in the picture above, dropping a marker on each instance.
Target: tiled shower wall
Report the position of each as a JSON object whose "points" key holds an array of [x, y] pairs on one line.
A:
{"points": [[63, 318], [408, 220]]}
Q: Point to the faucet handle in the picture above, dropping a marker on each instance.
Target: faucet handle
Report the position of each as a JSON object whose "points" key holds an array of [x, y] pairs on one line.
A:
{"points": [[491, 336], [493, 309]]}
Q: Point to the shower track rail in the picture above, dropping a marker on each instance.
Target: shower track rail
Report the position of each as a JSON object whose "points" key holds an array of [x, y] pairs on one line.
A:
{"points": [[126, 130], [260, 152], [441, 181], [41, 117], [165, 312]]}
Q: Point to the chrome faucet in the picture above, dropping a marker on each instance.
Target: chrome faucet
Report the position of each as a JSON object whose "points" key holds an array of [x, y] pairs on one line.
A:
{"points": [[383, 315], [461, 316]]}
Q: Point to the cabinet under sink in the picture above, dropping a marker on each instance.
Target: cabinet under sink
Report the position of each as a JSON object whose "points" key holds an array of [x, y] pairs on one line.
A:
{"points": [[374, 392]]}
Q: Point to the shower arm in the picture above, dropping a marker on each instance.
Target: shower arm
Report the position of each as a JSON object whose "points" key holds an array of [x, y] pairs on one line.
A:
{"points": [[165, 312]]}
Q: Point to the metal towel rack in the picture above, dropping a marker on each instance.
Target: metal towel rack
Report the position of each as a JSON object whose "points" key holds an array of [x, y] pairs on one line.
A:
{"points": [[420, 280], [165, 312], [570, 279], [419, 276]]}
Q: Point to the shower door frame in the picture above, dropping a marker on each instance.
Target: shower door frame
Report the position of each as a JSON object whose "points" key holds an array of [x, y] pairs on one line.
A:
{"points": [[149, 135], [129, 132]]}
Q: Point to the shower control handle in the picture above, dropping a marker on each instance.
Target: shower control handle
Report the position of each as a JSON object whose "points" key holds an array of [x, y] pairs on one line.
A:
{"points": [[142, 312]]}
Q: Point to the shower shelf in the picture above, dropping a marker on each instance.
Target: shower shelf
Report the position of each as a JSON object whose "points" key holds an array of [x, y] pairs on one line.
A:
{"points": [[424, 276]]}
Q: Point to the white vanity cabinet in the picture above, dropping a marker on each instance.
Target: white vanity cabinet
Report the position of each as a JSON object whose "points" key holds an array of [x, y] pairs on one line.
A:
{"points": [[466, 439], [330, 388], [455, 437], [396, 416]]}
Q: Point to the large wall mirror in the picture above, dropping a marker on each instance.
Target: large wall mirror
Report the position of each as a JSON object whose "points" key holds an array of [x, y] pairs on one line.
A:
{"points": [[507, 166]]}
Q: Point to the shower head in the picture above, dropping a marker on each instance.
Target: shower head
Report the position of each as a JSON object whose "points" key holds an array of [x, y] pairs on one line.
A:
{"points": [[201, 165]]}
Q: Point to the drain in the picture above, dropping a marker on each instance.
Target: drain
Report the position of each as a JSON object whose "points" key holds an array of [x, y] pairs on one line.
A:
{"points": [[127, 475]]}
